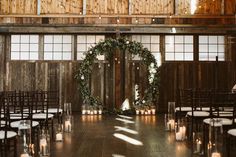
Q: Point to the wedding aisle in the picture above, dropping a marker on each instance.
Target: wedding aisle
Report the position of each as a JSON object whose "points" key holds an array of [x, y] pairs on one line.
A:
{"points": [[119, 136]]}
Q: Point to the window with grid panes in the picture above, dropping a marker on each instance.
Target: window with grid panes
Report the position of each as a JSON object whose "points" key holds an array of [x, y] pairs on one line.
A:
{"points": [[24, 47], [152, 43], [84, 42], [57, 47], [210, 47], [179, 48]]}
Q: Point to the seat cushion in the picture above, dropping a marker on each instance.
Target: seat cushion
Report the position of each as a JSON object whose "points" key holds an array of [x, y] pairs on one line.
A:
{"points": [[10, 134], [223, 114], [15, 124], [232, 132], [54, 110], [42, 116], [199, 113], [15, 116], [225, 121], [184, 109]]}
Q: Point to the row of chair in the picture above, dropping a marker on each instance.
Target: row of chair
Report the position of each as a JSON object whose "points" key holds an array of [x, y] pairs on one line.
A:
{"points": [[200, 106], [40, 107]]}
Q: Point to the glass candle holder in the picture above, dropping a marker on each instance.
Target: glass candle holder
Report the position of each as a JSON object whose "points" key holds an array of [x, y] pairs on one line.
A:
{"points": [[59, 133], [83, 109], [67, 109], [171, 110], [44, 143], [198, 143], [180, 130], [68, 123], [24, 132], [100, 109], [169, 123], [215, 136]]}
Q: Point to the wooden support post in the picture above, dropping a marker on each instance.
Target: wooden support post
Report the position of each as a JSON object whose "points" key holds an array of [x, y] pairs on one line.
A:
{"points": [[38, 7], [130, 7], [222, 7], [84, 7]]}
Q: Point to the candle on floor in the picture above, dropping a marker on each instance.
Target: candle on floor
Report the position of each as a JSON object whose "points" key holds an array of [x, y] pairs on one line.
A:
{"points": [[43, 146], [88, 111], [137, 112], [171, 124], [183, 131], [199, 143], [149, 111], [215, 154], [142, 111], [95, 111], [24, 155], [67, 126], [178, 136], [59, 137], [99, 111], [83, 111], [153, 111]]}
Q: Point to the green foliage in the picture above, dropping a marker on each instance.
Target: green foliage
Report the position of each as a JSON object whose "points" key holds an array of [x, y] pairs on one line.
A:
{"points": [[107, 48]]}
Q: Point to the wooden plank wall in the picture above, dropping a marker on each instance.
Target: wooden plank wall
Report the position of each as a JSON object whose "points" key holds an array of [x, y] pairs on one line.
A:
{"points": [[107, 7], [61, 6], [18, 6], [152, 7], [138, 7]]}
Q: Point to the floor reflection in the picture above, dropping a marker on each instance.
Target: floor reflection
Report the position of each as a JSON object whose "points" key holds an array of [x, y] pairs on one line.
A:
{"points": [[128, 139], [91, 118], [147, 119]]}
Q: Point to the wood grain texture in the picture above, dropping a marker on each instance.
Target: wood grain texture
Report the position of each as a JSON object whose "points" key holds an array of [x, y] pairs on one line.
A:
{"points": [[61, 6], [18, 6]]}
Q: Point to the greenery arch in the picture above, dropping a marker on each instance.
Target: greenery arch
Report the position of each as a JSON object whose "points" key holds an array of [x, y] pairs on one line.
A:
{"points": [[107, 47]]}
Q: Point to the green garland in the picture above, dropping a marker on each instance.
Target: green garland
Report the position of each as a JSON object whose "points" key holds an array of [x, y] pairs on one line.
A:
{"points": [[107, 48]]}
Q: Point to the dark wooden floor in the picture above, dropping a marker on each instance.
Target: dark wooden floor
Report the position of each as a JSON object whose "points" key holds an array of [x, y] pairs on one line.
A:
{"points": [[93, 136]]}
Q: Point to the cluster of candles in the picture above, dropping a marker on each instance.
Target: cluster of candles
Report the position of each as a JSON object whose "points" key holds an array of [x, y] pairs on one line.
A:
{"points": [[170, 124], [91, 112], [180, 134], [145, 112]]}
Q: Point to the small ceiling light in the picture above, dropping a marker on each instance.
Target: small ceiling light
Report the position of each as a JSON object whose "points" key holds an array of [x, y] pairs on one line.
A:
{"points": [[118, 20], [153, 19], [173, 30], [136, 20], [99, 17], [80, 13]]}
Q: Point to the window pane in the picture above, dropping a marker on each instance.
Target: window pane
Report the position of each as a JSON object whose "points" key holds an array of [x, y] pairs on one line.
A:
{"points": [[66, 56], [66, 47], [99, 38], [34, 39], [48, 39], [57, 39], [170, 48], [203, 48], [81, 39], [203, 39], [47, 56], [147, 46], [15, 56], [146, 39], [188, 48], [169, 39], [80, 56], [221, 39], [15, 39], [203, 56], [188, 39], [91, 39], [155, 39], [179, 56], [24, 55], [179, 48], [169, 56], [24, 39], [57, 47], [66, 38], [221, 48], [155, 47], [179, 39], [34, 56], [136, 38], [188, 56], [15, 47], [47, 47], [57, 56], [81, 47], [212, 48], [24, 47], [34, 47], [212, 39], [212, 56]]}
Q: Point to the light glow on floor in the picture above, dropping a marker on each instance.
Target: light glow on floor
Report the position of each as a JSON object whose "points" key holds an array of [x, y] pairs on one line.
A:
{"points": [[128, 139], [127, 117], [125, 120], [117, 155], [119, 128]]}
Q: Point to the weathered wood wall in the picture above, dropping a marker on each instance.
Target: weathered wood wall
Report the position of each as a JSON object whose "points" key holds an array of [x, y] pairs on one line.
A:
{"points": [[135, 7]]}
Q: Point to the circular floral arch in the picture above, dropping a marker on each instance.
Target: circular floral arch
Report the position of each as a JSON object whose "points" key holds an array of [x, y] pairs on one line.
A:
{"points": [[107, 48]]}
